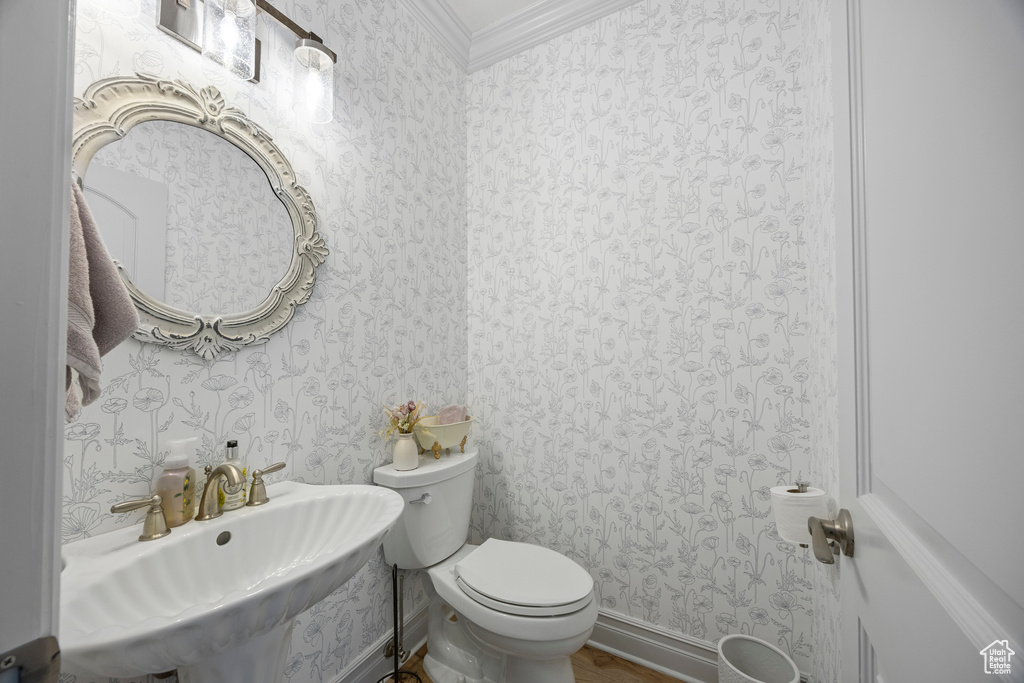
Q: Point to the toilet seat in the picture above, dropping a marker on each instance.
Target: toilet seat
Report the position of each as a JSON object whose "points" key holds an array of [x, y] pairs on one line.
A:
{"points": [[523, 610], [525, 628], [523, 579]]}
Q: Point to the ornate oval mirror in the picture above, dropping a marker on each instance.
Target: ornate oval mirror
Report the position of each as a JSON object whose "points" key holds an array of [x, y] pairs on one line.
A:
{"points": [[214, 238]]}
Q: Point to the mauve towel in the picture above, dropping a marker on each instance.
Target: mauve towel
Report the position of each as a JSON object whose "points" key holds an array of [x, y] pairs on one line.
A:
{"points": [[101, 314], [451, 414]]}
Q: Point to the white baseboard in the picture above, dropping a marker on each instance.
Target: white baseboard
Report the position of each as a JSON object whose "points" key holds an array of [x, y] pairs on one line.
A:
{"points": [[673, 654], [372, 666]]}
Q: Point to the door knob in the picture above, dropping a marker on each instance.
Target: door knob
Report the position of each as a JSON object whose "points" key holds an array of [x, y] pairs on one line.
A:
{"points": [[828, 537]]}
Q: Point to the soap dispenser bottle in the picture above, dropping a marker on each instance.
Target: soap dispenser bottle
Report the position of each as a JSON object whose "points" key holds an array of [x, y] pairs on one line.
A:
{"points": [[232, 497], [176, 484]]}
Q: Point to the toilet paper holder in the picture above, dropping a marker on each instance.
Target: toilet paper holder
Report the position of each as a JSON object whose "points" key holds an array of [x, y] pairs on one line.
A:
{"points": [[828, 537]]}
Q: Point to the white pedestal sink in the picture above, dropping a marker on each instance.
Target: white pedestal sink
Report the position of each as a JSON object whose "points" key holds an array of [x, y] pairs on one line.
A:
{"points": [[216, 599]]}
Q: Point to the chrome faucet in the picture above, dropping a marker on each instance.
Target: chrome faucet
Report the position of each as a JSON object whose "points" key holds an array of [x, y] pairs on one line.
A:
{"points": [[209, 506]]}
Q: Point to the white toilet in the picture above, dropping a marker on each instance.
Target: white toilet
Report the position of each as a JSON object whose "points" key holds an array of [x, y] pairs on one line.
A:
{"points": [[500, 612]]}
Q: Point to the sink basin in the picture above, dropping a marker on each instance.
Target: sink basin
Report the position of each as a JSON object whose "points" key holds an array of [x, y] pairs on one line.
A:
{"points": [[218, 609]]}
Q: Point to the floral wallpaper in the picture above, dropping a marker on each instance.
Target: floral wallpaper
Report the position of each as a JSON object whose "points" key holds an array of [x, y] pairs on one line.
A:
{"points": [[228, 238], [634, 219], [638, 297], [386, 321], [819, 177]]}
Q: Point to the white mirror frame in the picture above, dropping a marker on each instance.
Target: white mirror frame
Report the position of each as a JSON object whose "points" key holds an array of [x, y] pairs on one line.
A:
{"points": [[105, 113]]}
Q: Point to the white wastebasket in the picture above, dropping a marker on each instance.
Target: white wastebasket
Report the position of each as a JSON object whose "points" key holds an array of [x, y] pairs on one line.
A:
{"points": [[745, 659]]}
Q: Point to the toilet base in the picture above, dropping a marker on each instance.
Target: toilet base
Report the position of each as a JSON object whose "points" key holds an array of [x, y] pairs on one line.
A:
{"points": [[548, 662], [456, 654], [516, 671], [441, 673], [452, 655], [471, 643]]}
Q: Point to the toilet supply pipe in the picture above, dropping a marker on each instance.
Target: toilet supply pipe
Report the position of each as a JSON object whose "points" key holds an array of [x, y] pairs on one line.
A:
{"points": [[399, 628]]}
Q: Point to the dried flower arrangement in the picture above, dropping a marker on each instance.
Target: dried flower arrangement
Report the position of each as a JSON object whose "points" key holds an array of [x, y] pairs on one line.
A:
{"points": [[402, 418]]}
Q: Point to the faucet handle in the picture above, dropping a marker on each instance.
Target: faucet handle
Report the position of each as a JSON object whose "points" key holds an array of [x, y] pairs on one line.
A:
{"points": [[258, 492], [155, 525], [270, 469]]}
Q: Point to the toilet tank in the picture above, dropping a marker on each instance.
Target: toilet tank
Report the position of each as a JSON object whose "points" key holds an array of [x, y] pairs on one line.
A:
{"points": [[438, 498]]}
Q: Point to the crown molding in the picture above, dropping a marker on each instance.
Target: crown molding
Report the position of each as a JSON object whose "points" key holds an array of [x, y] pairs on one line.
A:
{"points": [[532, 26], [442, 23]]}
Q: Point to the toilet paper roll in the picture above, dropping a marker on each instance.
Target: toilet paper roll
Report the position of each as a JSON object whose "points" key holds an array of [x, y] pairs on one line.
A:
{"points": [[792, 508]]}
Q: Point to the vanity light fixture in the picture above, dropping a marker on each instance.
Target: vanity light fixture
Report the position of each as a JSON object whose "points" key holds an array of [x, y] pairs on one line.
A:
{"points": [[312, 71], [229, 36], [225, 32], [313, 81]]}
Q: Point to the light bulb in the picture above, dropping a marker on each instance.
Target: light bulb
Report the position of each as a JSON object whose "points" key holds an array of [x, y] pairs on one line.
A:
{"points": [[229, 31], [314, 94]]}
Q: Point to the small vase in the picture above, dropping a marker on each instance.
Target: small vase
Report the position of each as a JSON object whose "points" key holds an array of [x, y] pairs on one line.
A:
{"points": [[406, 455]]}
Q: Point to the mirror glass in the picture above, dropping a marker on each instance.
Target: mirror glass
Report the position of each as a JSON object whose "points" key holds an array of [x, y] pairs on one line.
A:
{"points": [[191, 217]]}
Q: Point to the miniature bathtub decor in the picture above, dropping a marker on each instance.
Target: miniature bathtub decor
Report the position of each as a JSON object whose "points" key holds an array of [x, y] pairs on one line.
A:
{"points": [[402, 419], [435, 437]]}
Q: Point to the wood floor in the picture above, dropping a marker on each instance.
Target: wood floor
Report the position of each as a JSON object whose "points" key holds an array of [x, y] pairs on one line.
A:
{"points": [[589, 665]]}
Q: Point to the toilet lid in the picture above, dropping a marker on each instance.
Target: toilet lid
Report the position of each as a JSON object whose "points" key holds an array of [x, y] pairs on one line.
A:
{"points": [[519, 578]]}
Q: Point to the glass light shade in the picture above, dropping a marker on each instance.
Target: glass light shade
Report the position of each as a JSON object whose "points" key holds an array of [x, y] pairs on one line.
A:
{"points": [[229, 36], [312, 82]]}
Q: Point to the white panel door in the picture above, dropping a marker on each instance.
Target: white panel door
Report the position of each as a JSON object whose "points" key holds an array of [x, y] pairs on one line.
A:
{"points": [[131, 212], [929, 101]]}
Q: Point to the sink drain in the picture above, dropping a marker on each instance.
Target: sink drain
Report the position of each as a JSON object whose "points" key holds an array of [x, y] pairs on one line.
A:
{"points": [[223, 537]]}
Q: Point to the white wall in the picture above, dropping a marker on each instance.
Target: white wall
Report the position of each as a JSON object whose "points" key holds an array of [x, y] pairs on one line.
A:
{"points": [[639, 358]]}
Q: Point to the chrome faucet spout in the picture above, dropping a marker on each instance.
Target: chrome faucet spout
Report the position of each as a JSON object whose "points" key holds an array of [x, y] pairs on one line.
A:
{"points": [[209, 506]]}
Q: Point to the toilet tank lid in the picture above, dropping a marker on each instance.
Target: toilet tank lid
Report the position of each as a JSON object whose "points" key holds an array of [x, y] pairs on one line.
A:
{"points": [[431, 470]]}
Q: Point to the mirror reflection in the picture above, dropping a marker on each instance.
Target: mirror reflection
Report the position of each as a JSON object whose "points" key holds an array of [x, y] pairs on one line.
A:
{"points": [[191, 217]]}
